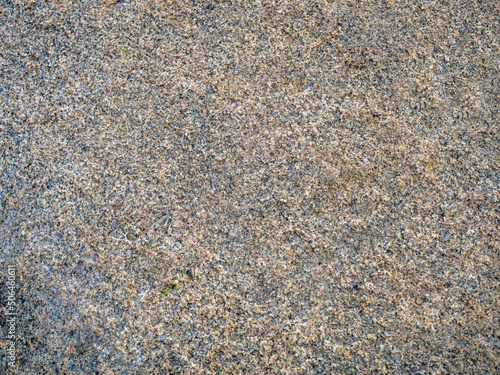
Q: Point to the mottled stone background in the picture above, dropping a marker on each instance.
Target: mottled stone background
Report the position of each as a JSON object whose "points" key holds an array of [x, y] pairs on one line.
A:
{"points": [[251, 187]]}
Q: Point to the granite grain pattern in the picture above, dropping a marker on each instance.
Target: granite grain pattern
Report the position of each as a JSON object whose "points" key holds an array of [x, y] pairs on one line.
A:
{"points": [[251, 187]]}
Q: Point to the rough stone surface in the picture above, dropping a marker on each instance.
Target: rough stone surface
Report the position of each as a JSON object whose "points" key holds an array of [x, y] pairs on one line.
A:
{"points": [[251, 187]]}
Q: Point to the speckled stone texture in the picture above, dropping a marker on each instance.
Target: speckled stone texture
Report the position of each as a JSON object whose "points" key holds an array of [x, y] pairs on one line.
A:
{"points": [[251, 187]]}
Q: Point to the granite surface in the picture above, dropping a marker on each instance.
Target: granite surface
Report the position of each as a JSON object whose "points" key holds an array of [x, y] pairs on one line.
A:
{"points": [[251, 187]]}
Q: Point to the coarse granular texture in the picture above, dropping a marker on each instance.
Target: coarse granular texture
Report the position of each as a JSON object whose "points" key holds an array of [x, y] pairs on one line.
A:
{"points": [[251, 187]]}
